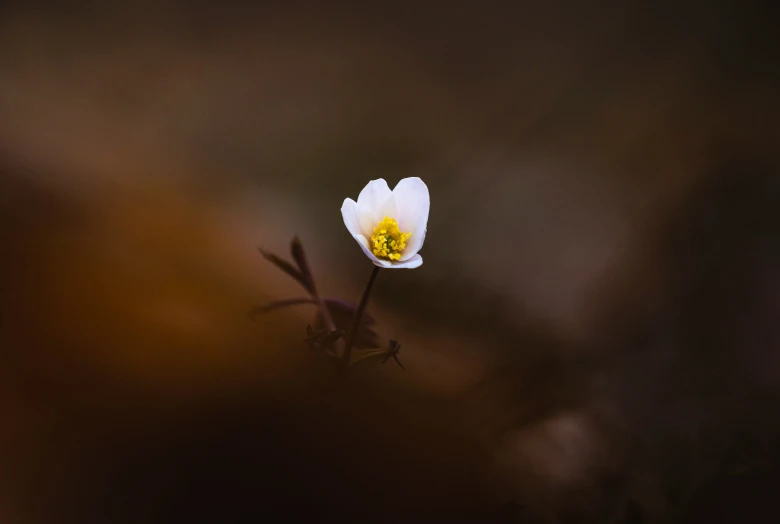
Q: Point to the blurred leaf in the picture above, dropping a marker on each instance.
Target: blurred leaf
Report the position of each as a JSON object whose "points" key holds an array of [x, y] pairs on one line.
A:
{"points": [[366, 337], [384, 353], [336, 306], [392, 352], [397, 361], [333, 336], [289, 269], [343, 315], [365, 354], [342, 307], [322, 339], [278, 304], [314, 337], [299, 255]]}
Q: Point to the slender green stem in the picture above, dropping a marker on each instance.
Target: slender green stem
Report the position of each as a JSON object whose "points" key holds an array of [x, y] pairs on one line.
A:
{"points": [[353, 332]]}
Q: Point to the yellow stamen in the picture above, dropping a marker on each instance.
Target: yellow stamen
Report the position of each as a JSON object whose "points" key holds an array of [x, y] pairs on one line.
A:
{"points": [[387, 240]]}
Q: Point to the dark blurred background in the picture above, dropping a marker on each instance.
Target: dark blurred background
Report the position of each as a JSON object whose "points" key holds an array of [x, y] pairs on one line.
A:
{"points": [[593, 336]]}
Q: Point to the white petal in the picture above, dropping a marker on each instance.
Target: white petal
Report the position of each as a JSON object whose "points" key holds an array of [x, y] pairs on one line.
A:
{"points": [[350, 216], [349, 211], [388, 209], [374, 195], [367, 219], [412, 203], [372, 204], [410, 263]]}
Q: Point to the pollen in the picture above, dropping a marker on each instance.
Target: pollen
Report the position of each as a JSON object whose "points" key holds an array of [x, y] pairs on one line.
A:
{"points": [[388, 241]]}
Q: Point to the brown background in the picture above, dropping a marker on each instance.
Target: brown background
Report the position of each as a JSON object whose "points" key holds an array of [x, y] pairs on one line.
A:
{"points": [[592, 337]]}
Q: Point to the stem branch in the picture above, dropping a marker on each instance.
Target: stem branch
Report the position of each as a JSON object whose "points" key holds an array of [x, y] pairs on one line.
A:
{"points": [[358, 317]]}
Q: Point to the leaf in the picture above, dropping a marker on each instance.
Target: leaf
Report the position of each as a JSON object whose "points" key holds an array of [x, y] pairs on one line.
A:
{"points": [[343, 315], [288, 268], [278, 304], [314, 337], [385, 354], [397, 361], [299, 255], [337, 306], [342, 311], [366, 337], [364, 354], [392, 352], [332, 337], [321, 339]]}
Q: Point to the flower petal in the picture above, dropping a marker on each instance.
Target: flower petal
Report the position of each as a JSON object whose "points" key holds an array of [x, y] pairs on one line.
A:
{"points": [[410, 263], [374, 195], [367, 219], [413, 203], [350, 216], [388, 209], [350, 211]]}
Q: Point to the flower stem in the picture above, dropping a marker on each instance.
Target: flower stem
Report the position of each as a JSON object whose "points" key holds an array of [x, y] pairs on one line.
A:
{"points": [[359, 316]]}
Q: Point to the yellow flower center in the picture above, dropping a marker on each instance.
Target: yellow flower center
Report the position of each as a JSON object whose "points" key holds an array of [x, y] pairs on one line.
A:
{"points": [[387, 240]]}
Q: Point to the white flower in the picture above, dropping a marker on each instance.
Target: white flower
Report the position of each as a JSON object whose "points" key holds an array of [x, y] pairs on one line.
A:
{"points": [[389, 225]]}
